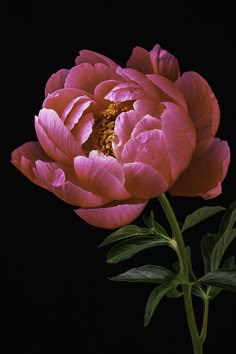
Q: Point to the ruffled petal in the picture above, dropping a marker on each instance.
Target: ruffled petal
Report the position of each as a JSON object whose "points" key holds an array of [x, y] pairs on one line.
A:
{"points": [[111, 217], [86, 76], [149, 147], [59, 180], [202, 104], [24, 157], [124, 125], [88, 56], [143, 181], [168, 90], [62, 101], [157, 61], [164, 63], [97, 176], [54, 137], [125, 92], [206, 172], [146, 106], [180, 137], [56, 81]]}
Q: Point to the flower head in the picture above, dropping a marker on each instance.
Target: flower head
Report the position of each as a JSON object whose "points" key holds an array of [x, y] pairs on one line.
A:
{"points": [[111, 138]]}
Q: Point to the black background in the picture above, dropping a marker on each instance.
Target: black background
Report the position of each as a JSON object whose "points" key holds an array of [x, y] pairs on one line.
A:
{"points": [[57, 296]]}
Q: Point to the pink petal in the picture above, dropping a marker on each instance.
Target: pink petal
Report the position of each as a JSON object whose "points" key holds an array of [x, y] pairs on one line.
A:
{"points": [[143, 181], [131, 75], [111, 217], [96, 176], [83, 128], [56, 81], [24, 157], [206, 172], [202, 104], [125, 92], [104, 87], [55, 138], [157, 61], [61, 180], [62, 101], [140, 60], [86, 76], [168, 90], [91, 57], [146, 106], [164, 63], [149, 147], [146, 123], [180, 137], [124, 125], [77, 110]]}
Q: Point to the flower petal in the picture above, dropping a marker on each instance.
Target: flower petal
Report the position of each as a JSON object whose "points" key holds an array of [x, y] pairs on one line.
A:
{"points": [[111, 217], [143, 181], [202, 104], [168, 90], [56, 81], [62, 101], [206, 172], [97, 176], [124, 125], [149, 147], [60, 180], [104, 88], [24, 158], [91, 57], [86, 76], [125, 92], [55, 138], [180, 137], [147, 106], [157, 61]]}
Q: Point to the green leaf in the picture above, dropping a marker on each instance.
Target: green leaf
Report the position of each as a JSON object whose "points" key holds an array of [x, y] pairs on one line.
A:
{"points": [[226, 236], [127, 248], [199, 215], [229, 264], [125, 232], [174, 293], [147, 273], [198, 291], [155, 297], [224, 279], [208, 243], [154, 226]]}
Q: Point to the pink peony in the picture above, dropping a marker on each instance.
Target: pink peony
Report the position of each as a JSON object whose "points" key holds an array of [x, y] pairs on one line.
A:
{"points": [[111, 138]]}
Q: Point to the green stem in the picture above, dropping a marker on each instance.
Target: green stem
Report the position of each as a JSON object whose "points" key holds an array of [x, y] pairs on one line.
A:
{"points": [[181, 252], [205, 320]]}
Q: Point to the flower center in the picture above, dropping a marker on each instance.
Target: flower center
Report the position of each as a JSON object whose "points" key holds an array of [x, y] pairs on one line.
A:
{"points": [[103, 129]]}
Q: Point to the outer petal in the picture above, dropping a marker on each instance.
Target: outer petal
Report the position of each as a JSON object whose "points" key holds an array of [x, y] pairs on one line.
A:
{"points": [[206, 172], [168, 90], [112, 217], [180, 137], [97, 176], [202, 104], [24, 158], [157, 61], [56, 81], [55, 138], [143, 181], [60, 180], [86, 76], [62, 101], [88, 56]]}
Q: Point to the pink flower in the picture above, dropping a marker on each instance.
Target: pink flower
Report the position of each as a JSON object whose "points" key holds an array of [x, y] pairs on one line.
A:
{"points": [[111, 138]]}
